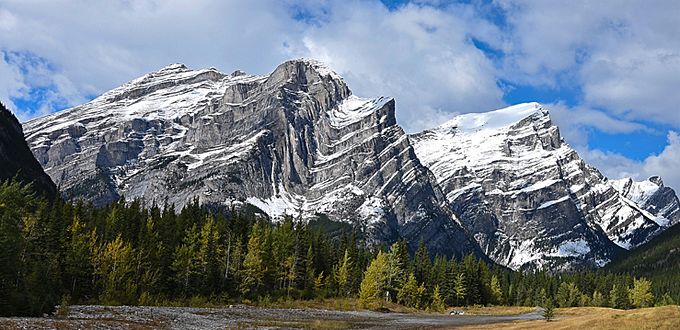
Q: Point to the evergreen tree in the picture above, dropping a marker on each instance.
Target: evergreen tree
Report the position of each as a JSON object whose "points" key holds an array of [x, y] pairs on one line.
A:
{"points": [[568, 295], [408, 294], [437, 300], [342, 276], [459, 288], [116, 270], [618, 296], [77, 260], [422, 263], [548, 311], [186, 262], [253, 265], [640, 294], [373, 285], [496, 292], [597, 299]]}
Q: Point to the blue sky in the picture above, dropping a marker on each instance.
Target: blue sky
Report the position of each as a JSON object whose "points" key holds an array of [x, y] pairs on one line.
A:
{"points": [[609, 71]]}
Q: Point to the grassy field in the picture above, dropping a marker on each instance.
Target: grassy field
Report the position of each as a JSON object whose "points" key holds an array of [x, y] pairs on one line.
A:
{"points": [[495, 310], [667, 317]]}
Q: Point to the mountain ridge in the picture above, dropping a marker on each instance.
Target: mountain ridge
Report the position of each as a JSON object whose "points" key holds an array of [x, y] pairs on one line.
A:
{"points": [[294, 141], [298, 142]]}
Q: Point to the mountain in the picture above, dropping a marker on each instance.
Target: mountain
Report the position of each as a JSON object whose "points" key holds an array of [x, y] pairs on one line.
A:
{"points": [[527, 197], [16, 159], [293, 142], [297, 142]]}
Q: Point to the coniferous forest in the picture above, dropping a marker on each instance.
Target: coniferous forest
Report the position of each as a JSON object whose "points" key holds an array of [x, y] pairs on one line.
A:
{"points": [[136, 254]]}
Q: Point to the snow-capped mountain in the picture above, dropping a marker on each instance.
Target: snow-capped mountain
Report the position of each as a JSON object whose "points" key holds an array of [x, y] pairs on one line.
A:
{"points": [[529, 200], [293, 142], [501, 184]]}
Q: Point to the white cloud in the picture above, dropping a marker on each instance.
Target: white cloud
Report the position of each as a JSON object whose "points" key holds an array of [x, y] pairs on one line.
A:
{"points": [[665, 164], [575, 123], [623, 55], [420, 55], [11, 82]]}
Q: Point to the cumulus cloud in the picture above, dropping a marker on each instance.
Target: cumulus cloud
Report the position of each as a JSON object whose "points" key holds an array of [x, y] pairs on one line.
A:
{"points": [[664, 164], [421, 55], [623, 55]]}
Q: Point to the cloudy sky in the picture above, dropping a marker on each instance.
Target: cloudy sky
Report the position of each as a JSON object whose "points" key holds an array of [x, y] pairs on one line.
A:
{"points": [[608, 70]]}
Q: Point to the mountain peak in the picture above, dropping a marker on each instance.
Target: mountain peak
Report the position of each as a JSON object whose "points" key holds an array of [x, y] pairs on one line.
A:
{"points": [[319, 67], [174, 67], [495, 119]]}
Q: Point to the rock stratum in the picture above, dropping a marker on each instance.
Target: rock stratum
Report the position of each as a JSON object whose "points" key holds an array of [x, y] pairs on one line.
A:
{"points": [[297, 142], [527, 197]]}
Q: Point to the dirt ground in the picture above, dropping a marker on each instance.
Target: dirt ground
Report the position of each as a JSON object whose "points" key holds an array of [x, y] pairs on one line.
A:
{"points": [[247, 317]]}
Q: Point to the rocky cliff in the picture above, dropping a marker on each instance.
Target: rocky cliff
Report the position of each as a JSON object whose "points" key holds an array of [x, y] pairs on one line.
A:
{"points": [[293, 142], [529, 200], [297, 142], [16, 159]]}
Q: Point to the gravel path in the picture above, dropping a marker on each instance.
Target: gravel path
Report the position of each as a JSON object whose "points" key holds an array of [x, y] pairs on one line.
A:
{"points": [[246, 317]]}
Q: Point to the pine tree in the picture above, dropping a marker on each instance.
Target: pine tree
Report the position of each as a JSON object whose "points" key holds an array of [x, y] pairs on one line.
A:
{"points": [[597, 299], [618, 296], [372, 287], [640, 294], [496, 292], [252, 274], [666, 300], [186, 262], [549, 311], [77, 260], [209, 254], [408, 294], [342, 276], [567, 295], [116, 269], [459, 288], [422, 263], [437, 300]]}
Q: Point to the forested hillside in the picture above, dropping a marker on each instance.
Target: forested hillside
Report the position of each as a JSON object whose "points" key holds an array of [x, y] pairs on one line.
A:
{"points": [[131, 253], [659, 259]]}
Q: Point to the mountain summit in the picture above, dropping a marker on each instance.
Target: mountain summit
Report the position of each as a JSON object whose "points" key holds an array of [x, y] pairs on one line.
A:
{"points": [[529, 199], [293, 142], [297, 142]]}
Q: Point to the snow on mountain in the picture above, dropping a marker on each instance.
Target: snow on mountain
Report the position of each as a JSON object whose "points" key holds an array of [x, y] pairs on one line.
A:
{"points": [[294, 142], [501, 184], [527, 197]]}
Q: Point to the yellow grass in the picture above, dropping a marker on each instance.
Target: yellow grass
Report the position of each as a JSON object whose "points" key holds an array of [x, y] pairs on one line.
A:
{"points": [[341, 304], [667, 317], [494, 310]]}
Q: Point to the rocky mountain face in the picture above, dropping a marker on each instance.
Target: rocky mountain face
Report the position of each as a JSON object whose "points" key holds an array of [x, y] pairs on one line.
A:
{"points": [[16, 159], [293, 142], [529, 200], [501, 184]]}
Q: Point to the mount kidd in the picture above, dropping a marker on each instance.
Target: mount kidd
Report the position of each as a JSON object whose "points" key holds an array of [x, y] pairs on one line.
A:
{"points": [[501, 184]]}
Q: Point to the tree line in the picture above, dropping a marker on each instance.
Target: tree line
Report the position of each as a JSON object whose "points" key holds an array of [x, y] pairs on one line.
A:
{"points": [[135, 254]]}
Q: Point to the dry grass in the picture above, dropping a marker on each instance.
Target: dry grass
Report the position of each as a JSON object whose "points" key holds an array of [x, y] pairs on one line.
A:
{"points": [[667, 317], [339, 304], [495, 310]]}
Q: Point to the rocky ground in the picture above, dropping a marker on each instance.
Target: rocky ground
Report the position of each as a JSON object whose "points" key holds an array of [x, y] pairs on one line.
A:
{"points": [[246, 317]]}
